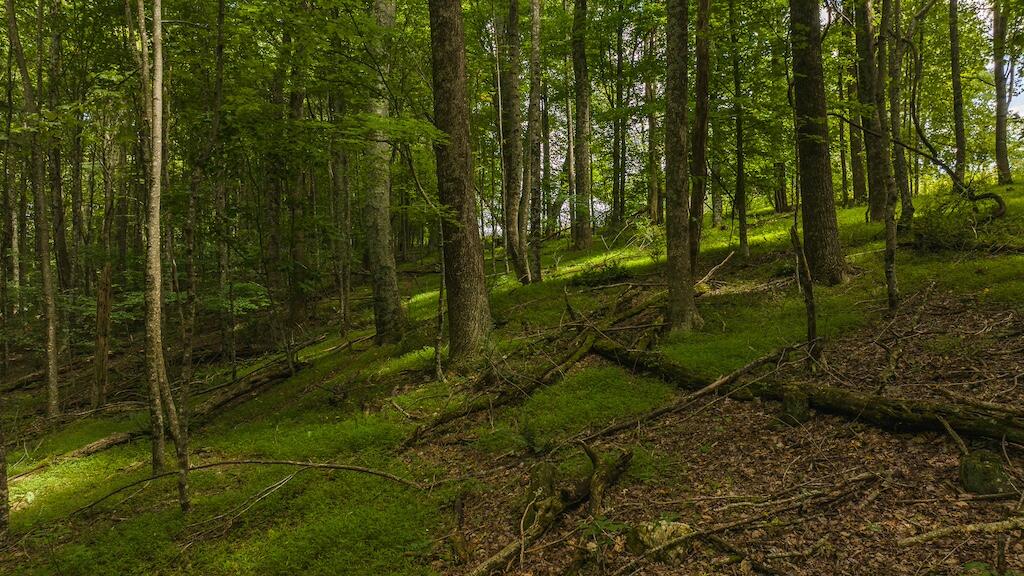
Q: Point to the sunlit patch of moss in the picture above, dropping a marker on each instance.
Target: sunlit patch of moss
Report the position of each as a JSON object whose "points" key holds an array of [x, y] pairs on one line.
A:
{"points": [[72, 437], [586, 398]]}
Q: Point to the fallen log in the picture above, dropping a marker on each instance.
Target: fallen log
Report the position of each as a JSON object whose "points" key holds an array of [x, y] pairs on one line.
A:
{"points": [[898, 414], [104, 443], [549, 509], [1015, 523], [248, 388]]}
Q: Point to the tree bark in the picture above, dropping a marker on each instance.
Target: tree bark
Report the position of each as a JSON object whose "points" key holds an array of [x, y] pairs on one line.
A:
{"points": [[857, 169], [698, 161], [740, 197], [654, 194], [868, 90], [682, 312], [899, 157], [469, 316], [821, 229], [533, 138], [1000, 14], [511, 140], [41, 225], [960, 162], [387, 305], [582, 136]]}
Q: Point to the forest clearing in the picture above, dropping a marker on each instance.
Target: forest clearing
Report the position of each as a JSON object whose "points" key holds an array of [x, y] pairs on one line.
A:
{"points": [[337, 287]]}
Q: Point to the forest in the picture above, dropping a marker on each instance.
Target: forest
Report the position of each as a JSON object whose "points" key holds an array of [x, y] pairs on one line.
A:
{"points": [[532, 287]]}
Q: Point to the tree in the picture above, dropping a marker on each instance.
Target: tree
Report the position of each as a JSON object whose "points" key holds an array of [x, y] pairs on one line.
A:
{"points": [[512, 142], [1000, 13], [582, 136], [740, 198], [699, 161], [161, 399], [959, 133], [469, 315], [871, 96], [41, 225], [682, 312], [821, 229], [532, 182], [387, 304]]}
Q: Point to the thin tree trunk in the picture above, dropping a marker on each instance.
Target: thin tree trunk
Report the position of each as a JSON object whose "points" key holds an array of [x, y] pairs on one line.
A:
{"points": [[387, 305], [842, 147], [879, 167], [857, 169], [103, 288], [698, 162], [740, 198], [654, 195], [899, 158], [469, 316], [960, 162], [41, 225], [511, 140], [682, 312], [533, 139], [821, 229], [1000, 9], [582, 135]]}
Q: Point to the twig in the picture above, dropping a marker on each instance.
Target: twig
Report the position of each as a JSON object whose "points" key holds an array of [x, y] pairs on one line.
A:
{"points": [[1015, 523], [715, 269]]}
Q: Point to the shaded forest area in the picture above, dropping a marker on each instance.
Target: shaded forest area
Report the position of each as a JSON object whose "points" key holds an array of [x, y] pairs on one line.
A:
{"points": [[512, 287]]}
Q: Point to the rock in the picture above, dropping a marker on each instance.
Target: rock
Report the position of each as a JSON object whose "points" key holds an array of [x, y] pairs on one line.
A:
{"points": [[649, 535], [981, 472]]}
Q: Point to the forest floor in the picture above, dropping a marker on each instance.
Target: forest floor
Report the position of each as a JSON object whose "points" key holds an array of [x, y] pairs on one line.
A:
{"points": [[755, 492]]}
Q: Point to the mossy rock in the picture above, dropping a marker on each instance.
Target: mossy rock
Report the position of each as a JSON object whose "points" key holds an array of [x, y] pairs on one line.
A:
{"points": [[981, 472], [648, 535]]}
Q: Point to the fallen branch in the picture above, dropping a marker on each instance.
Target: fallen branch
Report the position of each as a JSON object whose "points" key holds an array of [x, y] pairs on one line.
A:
{"points": [[816, 497], [221, 463], [1015, 523]]}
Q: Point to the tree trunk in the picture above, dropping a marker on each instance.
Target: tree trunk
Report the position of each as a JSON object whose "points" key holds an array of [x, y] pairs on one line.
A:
{"points": [[698, 162], [511, 140], [41, 225], [582, 137], [821, 229], [899, 158], [654, 194], [857, 169], [842, 147], [387, 305], [103, 288], [469, 316], [740, 198], [960, 163], [533, 174], [156, 367], [868, 90], [1000, 10], [682, 312]]}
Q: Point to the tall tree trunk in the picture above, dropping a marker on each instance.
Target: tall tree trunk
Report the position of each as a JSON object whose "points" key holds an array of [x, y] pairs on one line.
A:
{"points": [[582, 135], [156, 367], [821, 229], [533, 129], [740, 197], [41, 225], [552, 208], [511, 140], [1000, 9], [842, 147], [654, 194], [682, 312], [899, 158], [387, 305], [869, 90], [618, 214], [11, 203], [103, 288], [960, 163], [469, 316], [857, 169], [698, 162]]}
